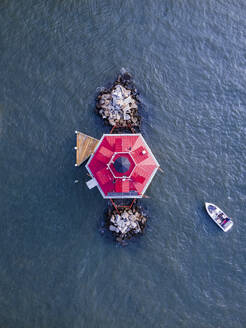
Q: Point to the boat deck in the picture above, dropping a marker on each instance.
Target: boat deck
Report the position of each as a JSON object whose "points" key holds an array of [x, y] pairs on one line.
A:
{"points": [[85, 146]]}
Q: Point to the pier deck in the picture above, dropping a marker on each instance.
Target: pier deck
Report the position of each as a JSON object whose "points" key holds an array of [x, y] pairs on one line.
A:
{"points": [[85, 146]]}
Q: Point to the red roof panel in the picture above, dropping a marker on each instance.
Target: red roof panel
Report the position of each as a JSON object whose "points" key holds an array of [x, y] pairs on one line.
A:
{"points": [[140, 154], [104, 176], [118, 145], [108, 187], [148, 162], [118, 185], [122, 185], [138, 142], [125, 186], [106, 152]]}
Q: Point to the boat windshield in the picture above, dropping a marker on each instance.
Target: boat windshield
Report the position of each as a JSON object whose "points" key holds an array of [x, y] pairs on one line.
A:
{"points": [[211, 208]]}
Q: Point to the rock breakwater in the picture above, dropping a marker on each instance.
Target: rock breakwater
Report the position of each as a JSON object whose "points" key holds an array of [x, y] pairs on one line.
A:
{"points": [[126, 222], [119, 104]]}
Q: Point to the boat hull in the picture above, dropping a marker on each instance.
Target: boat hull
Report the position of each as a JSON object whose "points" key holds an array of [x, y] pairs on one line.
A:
{"points": [[219, 217]]}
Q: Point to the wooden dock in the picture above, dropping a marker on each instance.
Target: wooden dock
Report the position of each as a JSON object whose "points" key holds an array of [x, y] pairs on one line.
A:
{"points": [[85, 146]]}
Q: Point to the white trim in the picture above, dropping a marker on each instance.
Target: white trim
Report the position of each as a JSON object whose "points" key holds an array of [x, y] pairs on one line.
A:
{"points": [[126, 197], [122, 134], [111, 161]]}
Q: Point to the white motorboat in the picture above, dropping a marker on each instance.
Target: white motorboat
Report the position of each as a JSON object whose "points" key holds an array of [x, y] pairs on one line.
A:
{"points": [[219, 217]]}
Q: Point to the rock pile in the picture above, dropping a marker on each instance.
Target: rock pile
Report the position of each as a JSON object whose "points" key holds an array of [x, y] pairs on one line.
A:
{"points": [[119, 105], [126, 223]]}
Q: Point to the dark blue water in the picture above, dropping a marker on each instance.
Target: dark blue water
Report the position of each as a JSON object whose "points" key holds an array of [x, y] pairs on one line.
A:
{"points": [[188, 59]]}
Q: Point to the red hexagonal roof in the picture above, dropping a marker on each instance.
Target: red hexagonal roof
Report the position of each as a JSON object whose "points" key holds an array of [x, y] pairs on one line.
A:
{"points": [[123, 165]]}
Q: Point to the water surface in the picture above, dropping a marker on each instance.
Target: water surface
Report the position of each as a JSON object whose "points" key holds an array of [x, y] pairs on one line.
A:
{"points": [[188, 60]]}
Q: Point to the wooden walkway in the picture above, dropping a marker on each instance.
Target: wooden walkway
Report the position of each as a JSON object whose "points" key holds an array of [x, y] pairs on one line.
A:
{"points": [[85, 146]]}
